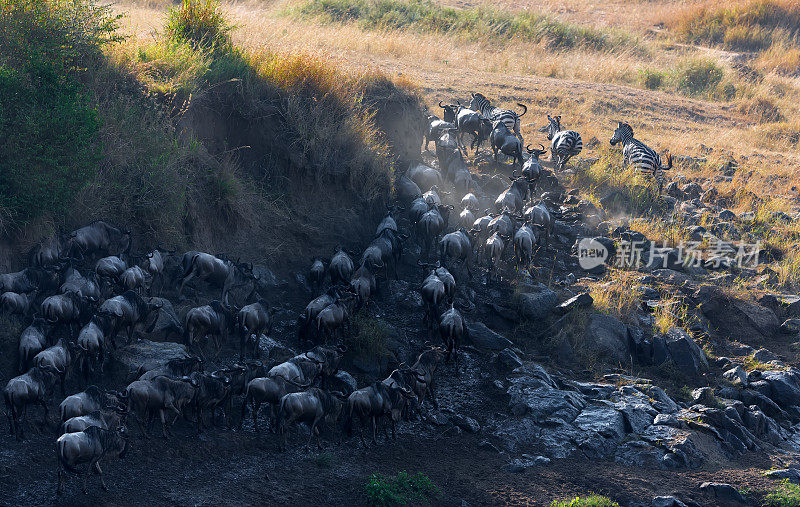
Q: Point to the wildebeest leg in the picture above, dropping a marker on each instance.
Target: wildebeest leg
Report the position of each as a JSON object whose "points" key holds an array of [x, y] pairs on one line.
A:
{"points": [[361, 424], [141, 426], [61, 476], [374, 430], [163, 418], [43, 403], [100, 473], [86, 475], [183, 283], [432, 389], [256, 406]]}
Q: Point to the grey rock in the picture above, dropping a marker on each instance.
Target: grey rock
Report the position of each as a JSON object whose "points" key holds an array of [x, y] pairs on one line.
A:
{"points": [[784, 386], [667, 420], [736, 375], [608, 336], [466, 423], [582, 300], [727, 215], [790, 326], [792, 474], [638, 453], [704, 396], [601, 419], [684, 352], [342, 382], [667, 501], [723, 492], [533, 392], [147, 355], [537, 302], [508, 360], [487, 446], [167, 322], [485, 338], [764, 355], [733, 318], [273, 349]]}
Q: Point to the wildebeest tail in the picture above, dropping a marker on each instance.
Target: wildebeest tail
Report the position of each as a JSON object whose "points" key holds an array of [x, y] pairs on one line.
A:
{"points": [[8, 397], [61, 461], [187, 263]]}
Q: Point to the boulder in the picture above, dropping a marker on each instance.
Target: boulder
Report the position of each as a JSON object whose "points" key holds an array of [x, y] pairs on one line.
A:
{"points": [[736, 319], [167, 324], [784, 386], [582, 300], [790, 474], [537, 303], [342, 382], [790, 326], [667, 420], [483, 337], [667, 501], [684, 352], [507, 360], [736, 375], [608, 336], [532, 392], [764, 356], [147, 355], [466, 423], [723, 492], [273, 349]]}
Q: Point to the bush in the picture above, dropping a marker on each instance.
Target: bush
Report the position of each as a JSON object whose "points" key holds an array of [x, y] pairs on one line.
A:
{"points": [[404, 489], [652, 79], [199, 22], [49, 127], [586, 501], [698, 76], [748, 25], [477, 23], [368, 338], [787, 494]]}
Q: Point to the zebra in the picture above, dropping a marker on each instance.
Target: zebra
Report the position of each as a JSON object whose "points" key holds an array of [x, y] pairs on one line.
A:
{"points": [[565, 144], [511, 118], [645, 160]]}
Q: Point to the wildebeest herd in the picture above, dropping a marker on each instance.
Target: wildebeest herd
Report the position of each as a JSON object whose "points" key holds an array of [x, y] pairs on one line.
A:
{"points": [[81, 290]]}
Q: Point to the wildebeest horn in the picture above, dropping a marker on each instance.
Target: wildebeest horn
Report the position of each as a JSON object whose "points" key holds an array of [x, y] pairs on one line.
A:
{"points": [[440, 105], [528, 149], [513, 175], [341, 348]]}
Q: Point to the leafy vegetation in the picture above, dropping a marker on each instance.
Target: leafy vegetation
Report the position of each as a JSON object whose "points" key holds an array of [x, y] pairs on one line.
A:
{"points": [[585, 501], [403, 489], [476, 23], [199, 22], [368, 338], [786, 494]]}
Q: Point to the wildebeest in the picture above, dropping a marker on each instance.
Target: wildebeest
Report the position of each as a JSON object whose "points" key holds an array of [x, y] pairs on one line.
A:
{"points": [[35, 386], [406, 189], [316, 275], [155, 265], [424, 176], [91, 399], [86, 287], [503, 141], [341, 267], [466, 218], [539, 217], [13, 303], [470, 202], [132, 278], [297, 373], [252, 321], [335, 317], [363, 284], [431, 225], [493, 253], [110, 268], [217, 272], [92, 342], [126, 311], [29, 280], [453, 331], [307, 319], [418, 207], [524, 240], [433, 292], [211, 392], [32, 341], [69, 308], [532, 168], [424, 369], [159, 395], [105, 419], [216, 319], [510, 118], [311, 407], [97, 238], [88, 446], [565, 144], [435, 128], [456, 247], [468, 121], [372, 403], [59, 356], [514, 196], [46, 253]]}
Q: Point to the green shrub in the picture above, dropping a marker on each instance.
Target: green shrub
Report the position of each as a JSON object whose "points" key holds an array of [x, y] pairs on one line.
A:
{"points": [[586, 501], [200, 22], [403, 489], [477, 23], [786, 494], [652, 79], [698, 76], [368, 337]]}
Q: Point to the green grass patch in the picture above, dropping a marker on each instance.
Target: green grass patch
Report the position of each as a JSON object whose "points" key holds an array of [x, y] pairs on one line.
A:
{"points": [[478, 23], [199, 22], [369, 336], [585, 501], [786, 494], [402, 489]]}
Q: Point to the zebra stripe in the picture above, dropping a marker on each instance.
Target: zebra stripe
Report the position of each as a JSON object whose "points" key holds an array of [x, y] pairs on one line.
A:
{"points": [[565, 144], [645, 160], [511, 119]]}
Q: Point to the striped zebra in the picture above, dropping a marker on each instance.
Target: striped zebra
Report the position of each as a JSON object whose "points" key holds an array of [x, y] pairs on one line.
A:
{"points": [[565, 144], [481, 104], [644, 159]]}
